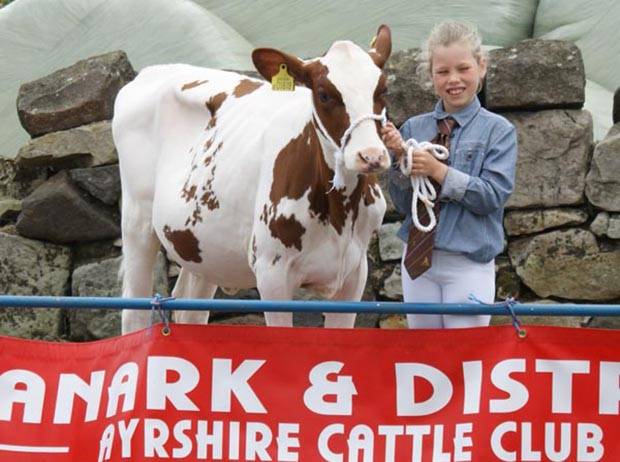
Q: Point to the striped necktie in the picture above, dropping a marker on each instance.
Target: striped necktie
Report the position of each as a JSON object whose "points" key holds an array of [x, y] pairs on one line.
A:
{"points": [[420, 244]]}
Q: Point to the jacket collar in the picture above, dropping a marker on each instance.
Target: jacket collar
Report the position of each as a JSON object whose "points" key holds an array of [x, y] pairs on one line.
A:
{"points": [[462, 116]]}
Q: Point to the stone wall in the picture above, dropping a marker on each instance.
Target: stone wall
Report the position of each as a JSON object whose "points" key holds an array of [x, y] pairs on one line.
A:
{"points": [[59, 199]]}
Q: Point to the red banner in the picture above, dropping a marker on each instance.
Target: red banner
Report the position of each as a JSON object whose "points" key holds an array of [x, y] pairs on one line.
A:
{"points": [[276, 394]]}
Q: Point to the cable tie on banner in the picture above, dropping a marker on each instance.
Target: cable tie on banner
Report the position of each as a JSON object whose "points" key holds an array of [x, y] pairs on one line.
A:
{"points": [[157, 303], [508, 304]]}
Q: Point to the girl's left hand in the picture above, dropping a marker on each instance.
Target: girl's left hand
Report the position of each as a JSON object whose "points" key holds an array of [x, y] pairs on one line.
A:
{"points": [[425, 164]]}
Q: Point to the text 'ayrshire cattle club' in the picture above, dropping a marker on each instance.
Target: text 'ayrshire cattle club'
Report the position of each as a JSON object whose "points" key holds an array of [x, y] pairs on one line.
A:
{"points": [[245, 186]]}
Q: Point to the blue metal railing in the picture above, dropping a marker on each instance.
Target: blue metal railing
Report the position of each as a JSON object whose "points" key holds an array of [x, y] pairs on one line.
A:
{"points": [[251, 306]]}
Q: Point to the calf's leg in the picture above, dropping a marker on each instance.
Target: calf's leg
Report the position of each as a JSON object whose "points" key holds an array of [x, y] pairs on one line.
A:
{"points": [[192, 285], [274, 284], [352, 290], [140, 246]]}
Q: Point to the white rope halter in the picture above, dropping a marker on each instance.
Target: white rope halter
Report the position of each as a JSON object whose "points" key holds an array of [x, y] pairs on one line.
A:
{"points": [[338, 180], [423, 189]]}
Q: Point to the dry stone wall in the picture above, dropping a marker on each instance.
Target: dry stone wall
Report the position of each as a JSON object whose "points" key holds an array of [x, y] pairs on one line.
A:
{"points": [[59, 199]]}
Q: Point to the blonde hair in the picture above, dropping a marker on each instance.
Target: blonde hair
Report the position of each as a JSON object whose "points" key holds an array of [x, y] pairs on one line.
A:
{"points": [[444, 34]]}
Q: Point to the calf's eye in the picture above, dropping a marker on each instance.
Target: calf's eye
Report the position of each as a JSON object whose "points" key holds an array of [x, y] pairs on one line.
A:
{"points": [[323, 96]]}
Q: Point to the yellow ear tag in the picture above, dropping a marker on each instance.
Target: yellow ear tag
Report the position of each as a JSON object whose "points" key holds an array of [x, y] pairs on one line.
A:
{"points": [[373, 41], [283, 81]]}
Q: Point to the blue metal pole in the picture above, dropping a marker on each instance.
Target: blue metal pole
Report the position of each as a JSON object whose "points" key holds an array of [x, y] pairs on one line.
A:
{"points": [[244, 306]]}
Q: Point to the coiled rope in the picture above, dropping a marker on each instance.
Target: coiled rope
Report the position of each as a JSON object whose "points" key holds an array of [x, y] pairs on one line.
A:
{"points": [[423, 189]]}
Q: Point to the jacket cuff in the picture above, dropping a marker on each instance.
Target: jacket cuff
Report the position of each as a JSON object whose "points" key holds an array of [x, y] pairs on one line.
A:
{"points": [[454, 185]]}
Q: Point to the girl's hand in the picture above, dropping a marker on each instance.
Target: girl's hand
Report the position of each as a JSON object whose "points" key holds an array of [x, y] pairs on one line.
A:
{"points": [[392, 139], [425, 164]]}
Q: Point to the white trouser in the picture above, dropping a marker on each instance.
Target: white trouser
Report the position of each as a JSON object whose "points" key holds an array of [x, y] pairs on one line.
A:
{"points": [[451, 278]]}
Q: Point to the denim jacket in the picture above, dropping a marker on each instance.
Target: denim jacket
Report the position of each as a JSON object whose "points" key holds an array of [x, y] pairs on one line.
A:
{"points": [[480, 178]]}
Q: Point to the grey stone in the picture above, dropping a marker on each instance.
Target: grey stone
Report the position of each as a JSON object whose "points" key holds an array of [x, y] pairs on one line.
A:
{"points": [[613, 231], [9, 209], [57, 211], [379, 272], [85, 146], [507, 281], [392, 287], [307, 295], [91, 252], [559, 321], [373, 249], [603, 179], [17, 183], [30, 267], [535, 74], [241, 294], [554, 148], [9, 229], [93, 324], [613, 131], [310, 295], [173, 269], [567, 264], [390, 245], [605, 322], [249, 319], [606, 224], [100, 279], [32, 323], [367, 320], [393, 321], [376, 269], [74, 96], [600, 224], [303, 319], [408, 93], [520, 222], [391, 214], [103, 183]]}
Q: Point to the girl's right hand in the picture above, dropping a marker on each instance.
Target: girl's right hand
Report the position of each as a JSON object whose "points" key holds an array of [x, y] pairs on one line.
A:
{"points": [[392, 139]]}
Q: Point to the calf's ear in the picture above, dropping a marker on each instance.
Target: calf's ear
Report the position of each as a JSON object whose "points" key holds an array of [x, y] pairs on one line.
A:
{"points": [[381, 46], [267, 62]]}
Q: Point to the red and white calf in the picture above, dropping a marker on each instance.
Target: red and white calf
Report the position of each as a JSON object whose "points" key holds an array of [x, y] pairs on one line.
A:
{"points": [[236, 180]]}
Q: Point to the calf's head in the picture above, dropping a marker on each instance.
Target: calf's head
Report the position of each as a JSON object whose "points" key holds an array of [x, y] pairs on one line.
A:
{"points": [[347, 86]]}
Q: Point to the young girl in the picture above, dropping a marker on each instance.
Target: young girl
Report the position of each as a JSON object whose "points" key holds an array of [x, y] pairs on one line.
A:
{"points": [[474, 182]]}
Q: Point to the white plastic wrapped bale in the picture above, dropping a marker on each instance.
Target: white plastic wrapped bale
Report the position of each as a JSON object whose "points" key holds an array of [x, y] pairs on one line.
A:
{"points": [[38, 37], [307, 27], [593, 26]]}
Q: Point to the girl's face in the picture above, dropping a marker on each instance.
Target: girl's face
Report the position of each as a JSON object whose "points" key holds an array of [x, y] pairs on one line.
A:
{"points": [[456, 74]]}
